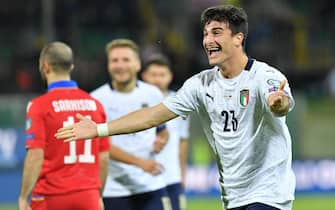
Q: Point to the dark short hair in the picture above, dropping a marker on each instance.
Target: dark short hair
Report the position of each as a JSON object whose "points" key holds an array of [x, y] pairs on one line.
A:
{"points": [[236, 18], [159, 60], [58, 55]]}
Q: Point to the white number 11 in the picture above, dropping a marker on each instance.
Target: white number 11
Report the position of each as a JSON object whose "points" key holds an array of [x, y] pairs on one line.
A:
{"points": [[87, 157]]}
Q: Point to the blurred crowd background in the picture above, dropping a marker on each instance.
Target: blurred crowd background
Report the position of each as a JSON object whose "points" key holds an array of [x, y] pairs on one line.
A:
{"points": [[296, 36]]}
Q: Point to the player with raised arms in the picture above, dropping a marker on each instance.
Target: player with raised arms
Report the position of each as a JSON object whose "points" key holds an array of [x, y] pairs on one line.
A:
{"points": [[242, 104]]}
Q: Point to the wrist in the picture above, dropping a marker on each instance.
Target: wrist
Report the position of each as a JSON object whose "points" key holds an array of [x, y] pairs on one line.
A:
{"points": [[102, 129]]}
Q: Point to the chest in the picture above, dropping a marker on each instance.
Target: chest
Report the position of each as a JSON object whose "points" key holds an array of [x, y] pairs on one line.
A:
{"points": [[224, 101], [117, 105]]}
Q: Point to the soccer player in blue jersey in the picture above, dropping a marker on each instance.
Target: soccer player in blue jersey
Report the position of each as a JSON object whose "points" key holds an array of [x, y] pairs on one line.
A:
{"points": [[242, 104]]}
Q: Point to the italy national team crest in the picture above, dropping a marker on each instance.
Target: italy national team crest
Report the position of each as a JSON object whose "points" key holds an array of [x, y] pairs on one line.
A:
{"points": [[244, 97]]}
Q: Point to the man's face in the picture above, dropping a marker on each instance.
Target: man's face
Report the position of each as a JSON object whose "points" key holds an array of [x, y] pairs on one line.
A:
{"points": [[123, 64], [158, 75], [218, 42]]}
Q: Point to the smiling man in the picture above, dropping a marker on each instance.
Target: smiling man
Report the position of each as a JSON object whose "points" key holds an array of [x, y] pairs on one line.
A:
{"points": [[133, 182], [242, 104]]}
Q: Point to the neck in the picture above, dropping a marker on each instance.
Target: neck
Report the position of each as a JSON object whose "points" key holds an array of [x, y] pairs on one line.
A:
{"points": [[165, 92], [233, 66], [57, 77], [124, 87]]}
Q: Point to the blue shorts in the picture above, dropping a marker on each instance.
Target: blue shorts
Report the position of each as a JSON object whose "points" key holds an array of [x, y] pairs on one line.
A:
{"points": [[177, 197], [255, 206], [154, 200]]}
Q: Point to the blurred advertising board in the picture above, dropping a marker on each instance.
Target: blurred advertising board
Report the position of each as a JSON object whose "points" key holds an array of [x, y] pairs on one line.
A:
{"points": [[312, 176]]}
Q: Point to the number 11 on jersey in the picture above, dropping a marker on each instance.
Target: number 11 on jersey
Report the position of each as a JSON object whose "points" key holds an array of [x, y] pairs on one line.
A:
{"points": [[87, 157]]}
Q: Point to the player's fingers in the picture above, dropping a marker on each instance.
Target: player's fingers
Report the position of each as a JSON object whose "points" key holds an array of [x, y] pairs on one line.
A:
{"points": [[282, 85], [70, 139], [65, 134], [80, 117], [70, 127]]}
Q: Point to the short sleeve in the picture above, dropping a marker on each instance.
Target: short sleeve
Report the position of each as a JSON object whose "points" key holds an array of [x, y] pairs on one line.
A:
{"points": [[186, 98], [35, 126], [270, 82]]}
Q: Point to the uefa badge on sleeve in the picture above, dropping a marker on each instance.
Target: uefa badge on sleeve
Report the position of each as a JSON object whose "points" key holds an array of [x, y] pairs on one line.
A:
{"points": [[244, 97]]}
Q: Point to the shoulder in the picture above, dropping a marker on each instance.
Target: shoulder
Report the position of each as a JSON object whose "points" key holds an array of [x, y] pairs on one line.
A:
{"points": [[204, 78], [148, 88], [264, 70], [100, 91], [37, 102]]}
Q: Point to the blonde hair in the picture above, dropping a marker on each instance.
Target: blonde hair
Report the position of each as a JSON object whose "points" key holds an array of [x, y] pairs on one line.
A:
{"points": [[122, 43]]}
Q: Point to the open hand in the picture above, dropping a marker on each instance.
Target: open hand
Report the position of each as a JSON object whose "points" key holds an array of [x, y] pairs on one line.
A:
{"points": [[85, 129]]}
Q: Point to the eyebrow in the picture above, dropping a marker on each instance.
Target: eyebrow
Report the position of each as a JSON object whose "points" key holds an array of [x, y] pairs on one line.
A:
{"points": [[215, 28]]}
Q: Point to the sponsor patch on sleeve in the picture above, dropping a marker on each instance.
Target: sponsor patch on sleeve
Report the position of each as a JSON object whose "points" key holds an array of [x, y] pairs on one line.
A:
{"points": [[274, 89], [273, 82], [30, 136]]}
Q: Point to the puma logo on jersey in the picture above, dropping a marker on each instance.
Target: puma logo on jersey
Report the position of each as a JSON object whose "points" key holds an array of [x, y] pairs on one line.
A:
{"points": [[209, 96]]}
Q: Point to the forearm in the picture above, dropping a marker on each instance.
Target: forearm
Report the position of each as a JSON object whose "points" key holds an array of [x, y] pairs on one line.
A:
{"points": [[103, 169], [140, 120], [183, 158], [118, 154], [32, 167]]}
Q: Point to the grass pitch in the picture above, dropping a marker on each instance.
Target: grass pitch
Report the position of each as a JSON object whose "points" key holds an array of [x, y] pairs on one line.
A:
{"points": [[301, 203]]}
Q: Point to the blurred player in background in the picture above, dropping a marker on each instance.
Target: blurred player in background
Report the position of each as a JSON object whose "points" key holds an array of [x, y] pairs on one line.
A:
{"points": [[242, 104], [133, 182], [173, 156], [62, 175]]}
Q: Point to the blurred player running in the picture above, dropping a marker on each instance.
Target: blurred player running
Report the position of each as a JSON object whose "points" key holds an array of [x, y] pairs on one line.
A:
{"points": [[62, 175], [173, 156]]}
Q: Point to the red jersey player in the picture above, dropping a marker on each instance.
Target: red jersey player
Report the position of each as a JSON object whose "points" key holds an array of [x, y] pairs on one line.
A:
{"points": [[62, 175]]}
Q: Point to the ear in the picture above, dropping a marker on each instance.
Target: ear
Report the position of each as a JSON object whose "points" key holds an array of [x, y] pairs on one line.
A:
{"points": [[71, 68], [170, 76], [46, 67], [239, 37], [143, 75], [138, 65]]}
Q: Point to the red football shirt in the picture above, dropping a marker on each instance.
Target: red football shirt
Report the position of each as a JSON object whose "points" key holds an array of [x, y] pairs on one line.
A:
{"points": [[69, 166]]}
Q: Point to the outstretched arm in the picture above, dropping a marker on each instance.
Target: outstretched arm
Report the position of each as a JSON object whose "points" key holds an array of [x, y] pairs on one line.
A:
{"points": [[136, 121]]}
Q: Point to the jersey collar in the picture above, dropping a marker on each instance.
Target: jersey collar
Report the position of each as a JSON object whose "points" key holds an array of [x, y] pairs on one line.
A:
{"points": [[62, 84], [249, 64], [110, 84]]}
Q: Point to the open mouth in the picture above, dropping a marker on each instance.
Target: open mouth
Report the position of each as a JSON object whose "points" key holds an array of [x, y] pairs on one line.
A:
{"points": [[213, 51]]}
